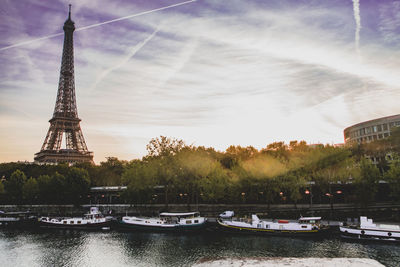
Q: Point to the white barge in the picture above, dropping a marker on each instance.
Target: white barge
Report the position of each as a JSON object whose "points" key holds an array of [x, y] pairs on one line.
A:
{"points": [[368, 230], [17, 219], [92, 220], [305, 226], [180, 221]]}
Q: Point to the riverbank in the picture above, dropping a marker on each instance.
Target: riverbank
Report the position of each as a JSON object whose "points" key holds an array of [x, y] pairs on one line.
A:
{"points": [[287, 262], [378, 211]]}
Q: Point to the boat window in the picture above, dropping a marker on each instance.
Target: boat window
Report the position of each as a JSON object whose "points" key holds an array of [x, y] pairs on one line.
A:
{"points": [[79, 222], [304, 226], [64, 222], [71, 222], [196, 221], [188, 222], [267, 226]]}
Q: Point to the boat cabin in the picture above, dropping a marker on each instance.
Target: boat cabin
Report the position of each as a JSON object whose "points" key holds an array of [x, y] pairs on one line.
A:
{"points": [[180, 217], [310, 220]]}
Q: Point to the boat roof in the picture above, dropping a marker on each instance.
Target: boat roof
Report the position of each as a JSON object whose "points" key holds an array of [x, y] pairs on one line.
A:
{"points": [[177, 213], [310, 218]]}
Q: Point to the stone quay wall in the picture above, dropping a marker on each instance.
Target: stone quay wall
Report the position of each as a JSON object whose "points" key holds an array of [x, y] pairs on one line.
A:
{"points": [[382, 211]]}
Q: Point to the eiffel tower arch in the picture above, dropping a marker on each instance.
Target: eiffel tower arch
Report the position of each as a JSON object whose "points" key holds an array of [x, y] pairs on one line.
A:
{"points": [[65, 124]]}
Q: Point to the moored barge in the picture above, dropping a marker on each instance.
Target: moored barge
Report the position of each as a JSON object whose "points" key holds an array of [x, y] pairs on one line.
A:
{"points": [[368, 230], [167, 221], [304, 226], [92, 220]]}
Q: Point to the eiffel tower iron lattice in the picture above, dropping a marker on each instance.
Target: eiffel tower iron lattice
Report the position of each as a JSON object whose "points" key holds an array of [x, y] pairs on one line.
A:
{"points": [[65, 119]]}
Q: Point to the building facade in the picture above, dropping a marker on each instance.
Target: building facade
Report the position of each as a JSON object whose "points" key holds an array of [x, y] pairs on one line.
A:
{"points": [[368, 131]]}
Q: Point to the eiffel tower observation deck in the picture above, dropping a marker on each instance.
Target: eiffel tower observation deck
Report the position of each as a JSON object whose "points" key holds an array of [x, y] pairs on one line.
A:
{"points": [[65, 124]]}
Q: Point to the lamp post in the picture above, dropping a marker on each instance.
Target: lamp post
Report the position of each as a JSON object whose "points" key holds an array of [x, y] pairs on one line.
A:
{"points": [[308, 192]]}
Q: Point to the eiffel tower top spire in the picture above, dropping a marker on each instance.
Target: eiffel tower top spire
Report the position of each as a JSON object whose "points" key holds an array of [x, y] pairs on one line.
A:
{"points": [[69, 24], [65, 121], [66, 103]]}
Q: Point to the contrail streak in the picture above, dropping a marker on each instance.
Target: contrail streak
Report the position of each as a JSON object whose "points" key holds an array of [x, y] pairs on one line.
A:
{"points": [[357, 18], [31, 41], [135, 49], [98, 24]]}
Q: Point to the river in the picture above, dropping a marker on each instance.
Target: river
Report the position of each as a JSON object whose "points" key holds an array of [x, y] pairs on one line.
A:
{"points": [[112, 248]]}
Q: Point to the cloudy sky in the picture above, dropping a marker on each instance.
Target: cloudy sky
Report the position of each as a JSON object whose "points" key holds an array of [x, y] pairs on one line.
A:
{"points": [[211, 72]]}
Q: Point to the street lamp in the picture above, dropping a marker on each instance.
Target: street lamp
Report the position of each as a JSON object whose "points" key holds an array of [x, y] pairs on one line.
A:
{"points": [[308, 192]]}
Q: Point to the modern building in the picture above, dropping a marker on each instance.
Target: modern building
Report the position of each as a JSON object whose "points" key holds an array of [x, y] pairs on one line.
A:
{"points": [[372, 130]]}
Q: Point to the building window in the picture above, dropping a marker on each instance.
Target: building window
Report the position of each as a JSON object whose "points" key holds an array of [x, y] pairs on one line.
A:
{"points": [[385, 127], [380, 136], [375, 129], [385, 134], [379, 128]]}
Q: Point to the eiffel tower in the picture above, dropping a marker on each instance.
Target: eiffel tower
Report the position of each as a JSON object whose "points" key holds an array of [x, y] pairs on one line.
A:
{"points": [[65, 119]]}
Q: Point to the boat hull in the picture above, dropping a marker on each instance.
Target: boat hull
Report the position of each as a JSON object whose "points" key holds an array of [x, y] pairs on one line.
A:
{"points": [[87, 226], [369, 235], [161, 228], [273, 232]]}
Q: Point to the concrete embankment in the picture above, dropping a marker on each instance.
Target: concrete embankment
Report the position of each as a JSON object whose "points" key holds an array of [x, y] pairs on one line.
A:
{"points": [[288, 262], [383, 211]]}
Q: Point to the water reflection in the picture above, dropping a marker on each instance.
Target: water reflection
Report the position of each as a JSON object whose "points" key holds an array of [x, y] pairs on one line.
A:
{"points": [[72, 248]]}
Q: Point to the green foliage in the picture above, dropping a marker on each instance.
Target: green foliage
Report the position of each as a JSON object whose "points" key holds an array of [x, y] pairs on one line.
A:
{"points": [[164, 146], [393, 177], [45, 188], [175, 172], [140, 177], [30, 191], [14, 185], [77, 183], [213, 187], [57, 185], [367, 182], [2, 191]]}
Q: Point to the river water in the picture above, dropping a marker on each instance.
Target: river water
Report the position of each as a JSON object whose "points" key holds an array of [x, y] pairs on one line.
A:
{"points": [[78, 248]]}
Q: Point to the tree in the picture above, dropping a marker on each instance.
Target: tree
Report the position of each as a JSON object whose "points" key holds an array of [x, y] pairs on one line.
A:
{"points": [[163, 151], [367, 182], [57, 188], [140, 178], [214, 187], [77, 184], [109, 172], [2, 191], [194, 166], [164, 146], [30, 191], [393, 176], [44, 188], [14, 185]]}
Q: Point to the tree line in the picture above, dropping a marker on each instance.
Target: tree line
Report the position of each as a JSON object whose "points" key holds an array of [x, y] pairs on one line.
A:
{"points": [[174, 172]]}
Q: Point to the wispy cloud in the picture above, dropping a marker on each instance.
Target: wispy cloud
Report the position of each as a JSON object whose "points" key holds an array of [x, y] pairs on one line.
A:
{"points": [[124, 60], [357, 18], [214, 74]]}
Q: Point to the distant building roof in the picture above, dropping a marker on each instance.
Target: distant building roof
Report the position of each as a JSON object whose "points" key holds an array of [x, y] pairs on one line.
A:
{"points": [[108, 188]]}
